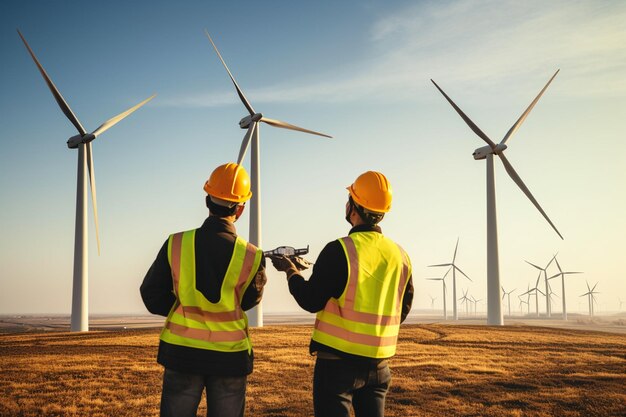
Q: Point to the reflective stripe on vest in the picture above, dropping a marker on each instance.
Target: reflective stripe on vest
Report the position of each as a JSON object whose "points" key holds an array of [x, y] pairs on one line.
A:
{"points": [[196, 322], [366, 318]]}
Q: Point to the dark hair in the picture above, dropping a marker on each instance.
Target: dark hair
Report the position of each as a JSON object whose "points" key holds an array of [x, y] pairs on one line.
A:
{"points": [[370, 217], [218, 210]]}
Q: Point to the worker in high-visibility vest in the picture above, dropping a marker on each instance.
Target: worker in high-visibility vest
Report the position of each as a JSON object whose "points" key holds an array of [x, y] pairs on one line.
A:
{"points": [[361, 289], [203, 280]]}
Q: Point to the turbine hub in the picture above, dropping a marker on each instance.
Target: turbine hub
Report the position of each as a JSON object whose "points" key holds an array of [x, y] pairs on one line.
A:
{"points": [[74, 141], [481, 153], [246, 121]]}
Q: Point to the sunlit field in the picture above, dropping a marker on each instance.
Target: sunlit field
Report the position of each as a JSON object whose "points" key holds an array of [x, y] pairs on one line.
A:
{"points": [[440, 370]]}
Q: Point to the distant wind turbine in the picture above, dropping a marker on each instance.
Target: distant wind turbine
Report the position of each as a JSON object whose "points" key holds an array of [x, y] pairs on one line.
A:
{"points": [[535, 291], [465, 300], [432, 301], [251, 122], [591, 297], [508, 295], [454, 268], [443, 281], [548, 290], [494, 311], [562, 275], [82, 142]]}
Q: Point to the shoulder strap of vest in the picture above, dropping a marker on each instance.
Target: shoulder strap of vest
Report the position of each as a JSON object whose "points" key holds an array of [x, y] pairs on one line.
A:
{"points": [[353, 270], [175, 246]]}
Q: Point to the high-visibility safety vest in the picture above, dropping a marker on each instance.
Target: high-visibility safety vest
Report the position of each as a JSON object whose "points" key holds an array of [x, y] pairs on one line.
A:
{"points": [[196, 322], [365, 319]]}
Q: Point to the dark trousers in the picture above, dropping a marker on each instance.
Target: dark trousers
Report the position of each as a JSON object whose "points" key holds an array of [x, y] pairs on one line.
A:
{"points": [[339, 384], [225, 396]]}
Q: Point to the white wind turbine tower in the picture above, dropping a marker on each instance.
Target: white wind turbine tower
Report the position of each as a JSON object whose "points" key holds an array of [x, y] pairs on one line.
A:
{"points": [[508, 295], [548, 289], [82, 141], [591, 297], [620, 303], [443, 281], [454, 268], [494, 310], [475, 301], [251, 122], [562, 275]]}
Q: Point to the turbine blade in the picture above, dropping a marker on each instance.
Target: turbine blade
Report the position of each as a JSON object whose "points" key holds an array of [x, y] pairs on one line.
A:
{"points": [[441, 265], [55, 92], [509, 169], [92, 183], [567, 273], [284, 125], [557, 264], [549, 263], [242, 97], [115, 120], [435, 279], [245, 143], [467, 120], [532, 264], [556, 275], [447, 272], [521, 119], [459, 269], [455, 249]]}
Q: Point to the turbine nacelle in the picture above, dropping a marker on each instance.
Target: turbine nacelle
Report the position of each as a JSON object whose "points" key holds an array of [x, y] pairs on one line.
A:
{"points": [[248, 120], [74, 141], [481, 153]]}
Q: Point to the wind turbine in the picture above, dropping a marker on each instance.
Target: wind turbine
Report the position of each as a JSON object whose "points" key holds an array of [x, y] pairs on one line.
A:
{"points": [[562, 275], [465, 300], [454, 268], [508, 295], [494, 311], [475, 301], [82, 142], [620, 303], [443, 280], [534, 291], [521, 304], [432, 301], [591, 297], [251, 122], [548, 289]]}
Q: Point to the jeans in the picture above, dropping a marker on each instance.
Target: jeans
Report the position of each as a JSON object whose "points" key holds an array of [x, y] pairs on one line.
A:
{"points": [[225, 396], [338, 384]]}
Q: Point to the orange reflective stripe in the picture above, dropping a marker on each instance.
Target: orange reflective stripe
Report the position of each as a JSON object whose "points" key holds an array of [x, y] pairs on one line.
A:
{"points": [[403, 278], [197, 314], [177, 244], [363, 339], [206, 334], [353, 278], [246, 270], [361, 317]]}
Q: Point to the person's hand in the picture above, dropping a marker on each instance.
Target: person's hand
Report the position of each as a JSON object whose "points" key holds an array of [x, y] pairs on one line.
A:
{"points": [[282, 263], [301, 263]]}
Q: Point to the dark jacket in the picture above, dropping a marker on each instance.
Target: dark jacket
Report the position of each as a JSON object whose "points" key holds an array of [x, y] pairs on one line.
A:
{"points": [[214, 245], [328, 280]]}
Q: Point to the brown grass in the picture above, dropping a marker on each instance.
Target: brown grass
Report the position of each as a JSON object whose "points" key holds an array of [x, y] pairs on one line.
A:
{"points": [[438, 371]]}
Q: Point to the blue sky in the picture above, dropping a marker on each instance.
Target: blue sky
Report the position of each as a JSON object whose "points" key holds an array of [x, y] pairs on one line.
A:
{"points": [[358, 70]]}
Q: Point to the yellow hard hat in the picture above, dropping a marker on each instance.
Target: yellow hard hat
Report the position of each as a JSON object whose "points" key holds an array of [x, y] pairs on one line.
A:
{"points": [[372, 191], [229, 182]]}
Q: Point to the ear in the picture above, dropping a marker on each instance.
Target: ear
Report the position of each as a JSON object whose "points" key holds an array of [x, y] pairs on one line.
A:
{"points": [[239, 211]]}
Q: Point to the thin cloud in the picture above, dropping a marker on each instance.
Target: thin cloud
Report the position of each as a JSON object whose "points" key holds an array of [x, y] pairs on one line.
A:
{"points": [[469, 45]]}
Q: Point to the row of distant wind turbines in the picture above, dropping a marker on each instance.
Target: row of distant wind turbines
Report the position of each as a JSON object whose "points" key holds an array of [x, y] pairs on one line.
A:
{"points": [[454, 268], [82, 141]]}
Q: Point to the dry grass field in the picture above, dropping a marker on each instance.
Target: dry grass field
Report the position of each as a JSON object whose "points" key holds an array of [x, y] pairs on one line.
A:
{"points": [[440, 370]]}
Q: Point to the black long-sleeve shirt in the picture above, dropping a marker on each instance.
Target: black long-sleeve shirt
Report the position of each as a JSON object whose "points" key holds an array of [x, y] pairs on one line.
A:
{"points": [[214, 246], [328, 280]]}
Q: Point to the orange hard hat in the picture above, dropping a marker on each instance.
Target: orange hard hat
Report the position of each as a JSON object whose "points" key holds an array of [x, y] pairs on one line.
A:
{"points": [[372, 191], [229, 182]]}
